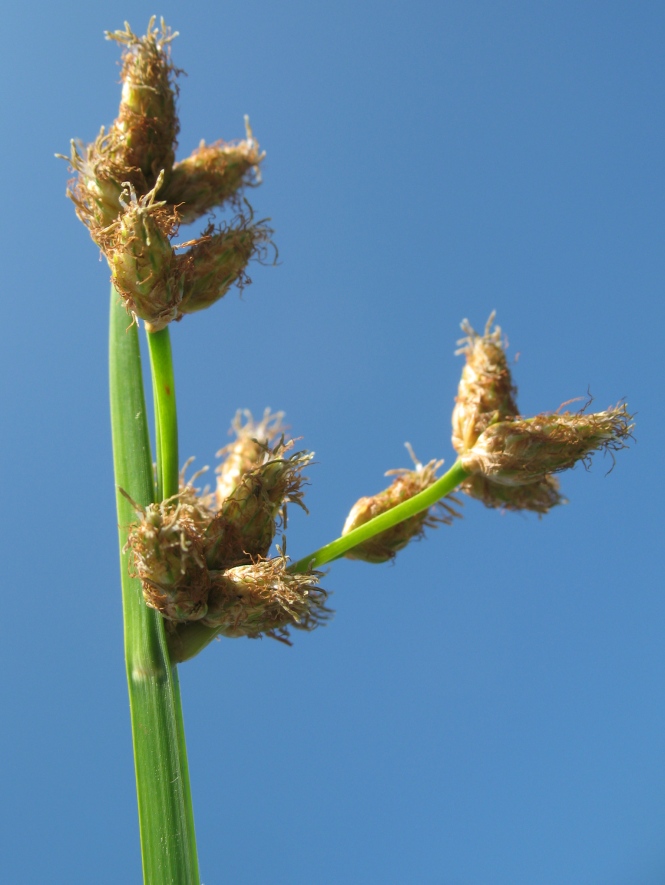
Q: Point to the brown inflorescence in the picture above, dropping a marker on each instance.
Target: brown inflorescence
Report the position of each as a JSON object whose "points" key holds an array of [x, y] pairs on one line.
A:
{"points": [[486, 391], [263, 598], [200, 562], [133, 196], [248, 450], [143, 136], [144, 268], [520, 451], [94, 192], [406, 485], [212, 175], [538, 497], [169, 558], [487, 395], [218, 260], [248, 518]]}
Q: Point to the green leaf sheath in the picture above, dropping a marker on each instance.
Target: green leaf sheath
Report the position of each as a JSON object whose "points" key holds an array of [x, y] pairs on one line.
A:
{"points": [[422, 501], [166, 419], [166, 820], [192, 638]]}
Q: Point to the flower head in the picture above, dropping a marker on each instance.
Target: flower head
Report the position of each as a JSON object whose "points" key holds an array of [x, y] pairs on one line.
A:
{"points": [[144, 267], [219, 259], [169, 558], [202, 562], [132, 195], [538, 497]]}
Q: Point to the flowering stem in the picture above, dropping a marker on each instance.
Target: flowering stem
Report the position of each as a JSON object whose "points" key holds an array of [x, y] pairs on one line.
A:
{"points": [[192, 638], [166, 418], [422, 501], [166, 822]]}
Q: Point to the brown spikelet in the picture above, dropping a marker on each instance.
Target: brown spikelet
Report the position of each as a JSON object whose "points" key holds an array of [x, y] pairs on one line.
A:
{"points": [[249, 516], [538, 497], [407, 483], [169, 558], [263, 598], [132, 196], [249, 450], [213, 175], [219, 259], [520, 451], [486, 391], [144, 267], [95, 192], [143, 136]]}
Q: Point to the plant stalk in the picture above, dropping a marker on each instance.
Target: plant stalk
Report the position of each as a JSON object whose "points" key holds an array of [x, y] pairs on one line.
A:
{"points": [[166, 822], [166, 417]]}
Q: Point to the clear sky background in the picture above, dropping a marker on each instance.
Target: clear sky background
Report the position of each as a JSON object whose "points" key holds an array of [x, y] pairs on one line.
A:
{"points": [[488, 710]]}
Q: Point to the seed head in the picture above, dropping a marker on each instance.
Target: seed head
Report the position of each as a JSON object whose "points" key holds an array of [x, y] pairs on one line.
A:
{"points": [[245, 526], [132, 196], [538, 497], [143, 137], [169, 558], [195, 564], [486, 391], [263, 598], [144, 267], [213, 175], [95, 192], [520, 451], [407, 483], [250, 449], [218, 260]]}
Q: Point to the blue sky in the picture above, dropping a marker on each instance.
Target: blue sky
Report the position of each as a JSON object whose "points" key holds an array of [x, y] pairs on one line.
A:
{"points": [[489, 709]]}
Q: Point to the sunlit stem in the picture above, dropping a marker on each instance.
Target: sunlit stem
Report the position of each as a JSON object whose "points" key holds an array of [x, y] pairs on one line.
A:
{"points": [[166, 417], [166, 821]]}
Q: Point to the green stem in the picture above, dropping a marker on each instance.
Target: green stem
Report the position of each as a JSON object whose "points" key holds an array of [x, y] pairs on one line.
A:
{"points": [[442, 487], [192, 638], [168, 844], [156, 475], [166, 418]]}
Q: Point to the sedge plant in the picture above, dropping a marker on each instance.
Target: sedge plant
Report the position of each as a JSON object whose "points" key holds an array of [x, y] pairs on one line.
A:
{"points": [[198, 565]]}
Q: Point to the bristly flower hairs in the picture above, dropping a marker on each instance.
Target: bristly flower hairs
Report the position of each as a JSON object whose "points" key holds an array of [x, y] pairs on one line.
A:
{"points": [[196, 565]]}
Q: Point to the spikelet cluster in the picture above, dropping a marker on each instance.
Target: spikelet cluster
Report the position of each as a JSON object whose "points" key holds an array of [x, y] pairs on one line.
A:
{"points": [[205, 557], [407, 483], [132, 195], [487, 395], [513, 459]]}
